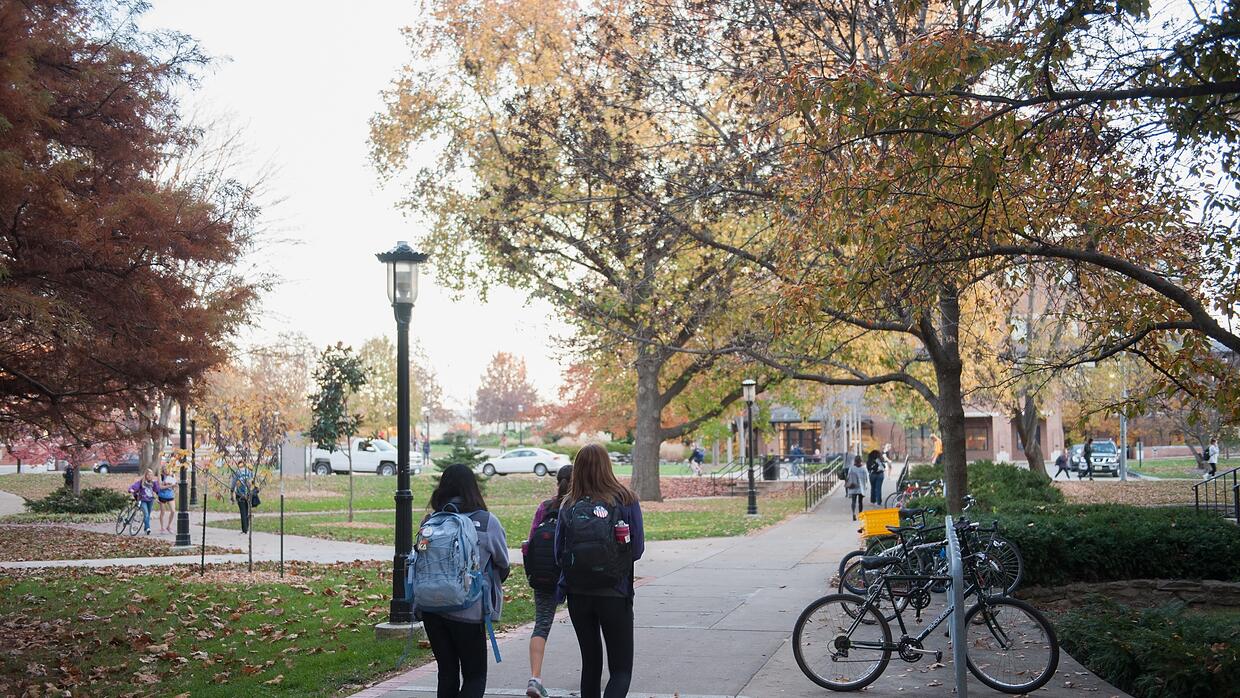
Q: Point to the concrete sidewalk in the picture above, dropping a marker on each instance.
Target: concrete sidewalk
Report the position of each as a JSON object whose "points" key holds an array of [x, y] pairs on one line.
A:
{"points": [[713, 618]]}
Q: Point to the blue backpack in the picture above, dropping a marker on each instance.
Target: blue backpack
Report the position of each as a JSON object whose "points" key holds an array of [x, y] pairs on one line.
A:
{"points": [[444, 572]]}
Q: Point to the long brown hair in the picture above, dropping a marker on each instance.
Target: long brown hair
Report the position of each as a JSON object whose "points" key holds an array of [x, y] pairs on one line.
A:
{"points": [[594, 478]]}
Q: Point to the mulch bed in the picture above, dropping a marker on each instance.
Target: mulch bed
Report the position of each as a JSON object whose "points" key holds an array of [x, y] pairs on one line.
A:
{"points": [[27, 542]]}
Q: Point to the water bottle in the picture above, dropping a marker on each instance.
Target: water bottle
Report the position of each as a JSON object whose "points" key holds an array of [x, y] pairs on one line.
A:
{"points": [[622, 531]]}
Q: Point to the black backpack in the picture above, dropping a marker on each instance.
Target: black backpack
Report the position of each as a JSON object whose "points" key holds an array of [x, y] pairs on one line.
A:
{"points": [[541, 568], [592, 558]]}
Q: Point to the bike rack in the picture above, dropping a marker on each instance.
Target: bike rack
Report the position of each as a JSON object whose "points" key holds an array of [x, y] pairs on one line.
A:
{"points": [[955, 624]]}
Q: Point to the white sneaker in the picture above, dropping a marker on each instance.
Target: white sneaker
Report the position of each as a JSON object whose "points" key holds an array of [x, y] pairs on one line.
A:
{"points": [[535, 689]]}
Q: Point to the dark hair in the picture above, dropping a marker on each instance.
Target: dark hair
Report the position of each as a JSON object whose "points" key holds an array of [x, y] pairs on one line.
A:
{"points": [[594, 478], [563, 478], [458, 482], [873, 456], [857, 460]]}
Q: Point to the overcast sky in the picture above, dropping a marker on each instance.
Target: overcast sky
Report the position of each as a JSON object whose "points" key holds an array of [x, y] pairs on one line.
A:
{"points": [[303, 79]]}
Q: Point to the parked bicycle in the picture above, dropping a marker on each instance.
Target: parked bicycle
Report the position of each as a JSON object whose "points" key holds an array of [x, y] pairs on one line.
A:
{"points": [[912, 490], [844, 642], [129, 519]]}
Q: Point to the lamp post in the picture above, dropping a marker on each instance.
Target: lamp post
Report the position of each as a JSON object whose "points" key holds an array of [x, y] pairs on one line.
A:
{"points": [[520, 427], [193, 460], [182, 540], [402, 290], [750, 388]]}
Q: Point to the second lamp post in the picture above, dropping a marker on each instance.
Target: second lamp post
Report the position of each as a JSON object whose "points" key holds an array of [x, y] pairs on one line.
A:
{"points": [[402, 289], [750, 388]]}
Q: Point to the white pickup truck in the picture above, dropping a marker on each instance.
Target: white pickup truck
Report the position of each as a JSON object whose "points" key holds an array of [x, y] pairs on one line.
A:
{"points": [[369, 456]]}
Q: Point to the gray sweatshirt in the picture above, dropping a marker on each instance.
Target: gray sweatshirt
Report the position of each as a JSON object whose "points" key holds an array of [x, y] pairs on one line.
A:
{"points": [[493, 549]]}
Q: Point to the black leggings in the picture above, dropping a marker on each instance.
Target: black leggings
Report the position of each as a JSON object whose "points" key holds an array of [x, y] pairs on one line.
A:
{"points": [[857, 503], [461, 653], [613, 615]]}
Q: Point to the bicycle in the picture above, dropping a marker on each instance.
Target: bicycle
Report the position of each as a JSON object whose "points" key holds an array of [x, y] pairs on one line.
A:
{"points": [[129, 518], [912, 490], [1009, 645]]}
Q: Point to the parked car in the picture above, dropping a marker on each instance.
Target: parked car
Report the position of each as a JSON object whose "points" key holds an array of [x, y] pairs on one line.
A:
{"points": [[539, 461], [1076, 458], [126, 464], [369, 456], [1105, 457]]}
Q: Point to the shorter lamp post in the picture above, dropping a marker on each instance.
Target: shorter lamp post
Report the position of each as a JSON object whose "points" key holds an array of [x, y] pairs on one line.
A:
{"points": [[183, 541], [402, 264], [750, 388], [193, 461]]}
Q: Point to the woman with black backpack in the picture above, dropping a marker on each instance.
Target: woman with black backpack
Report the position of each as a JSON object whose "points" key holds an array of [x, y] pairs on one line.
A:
{"points": [[543, 572], [458, 638], [598, 537]]}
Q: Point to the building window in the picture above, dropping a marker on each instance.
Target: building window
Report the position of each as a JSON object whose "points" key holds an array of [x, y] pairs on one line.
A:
{"points": [[976, 438]]}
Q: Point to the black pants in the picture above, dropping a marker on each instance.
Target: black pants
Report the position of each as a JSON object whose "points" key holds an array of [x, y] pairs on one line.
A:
{"points": [[613, 616], [1062, 469], [243, 505], [856, 503], [461, 652]]}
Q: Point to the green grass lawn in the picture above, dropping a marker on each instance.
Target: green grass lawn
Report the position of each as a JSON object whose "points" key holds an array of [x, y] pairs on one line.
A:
{"points": [[669, 520], [1177, 467], [123, 630]]}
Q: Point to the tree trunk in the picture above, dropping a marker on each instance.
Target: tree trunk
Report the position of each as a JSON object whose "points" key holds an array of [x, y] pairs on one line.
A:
{"points": [[349, 441], [648, 429], [77, 479], [943, 344], [1027, 422]]}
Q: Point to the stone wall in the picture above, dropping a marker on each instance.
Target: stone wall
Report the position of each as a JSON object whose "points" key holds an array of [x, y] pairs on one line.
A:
{"points": [[1139, 592]]}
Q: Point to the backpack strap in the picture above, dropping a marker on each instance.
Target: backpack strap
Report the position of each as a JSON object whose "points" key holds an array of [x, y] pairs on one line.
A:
{"points": [[486, 610]]}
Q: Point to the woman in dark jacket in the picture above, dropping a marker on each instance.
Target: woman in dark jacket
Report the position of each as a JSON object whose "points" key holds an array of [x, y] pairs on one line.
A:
{"points": [[608, 610]]}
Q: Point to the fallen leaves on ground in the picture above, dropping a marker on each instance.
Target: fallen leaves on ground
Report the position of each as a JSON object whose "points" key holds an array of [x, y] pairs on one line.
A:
{"points": [[25, 542], [1147, 493]]}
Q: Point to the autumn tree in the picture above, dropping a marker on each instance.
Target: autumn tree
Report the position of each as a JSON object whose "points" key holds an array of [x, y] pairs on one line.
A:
{"points": [[102, 263], [505, 392], [565, 175], [338, 375], [376, 399]]}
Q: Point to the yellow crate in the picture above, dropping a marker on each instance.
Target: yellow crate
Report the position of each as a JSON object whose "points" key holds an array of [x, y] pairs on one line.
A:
{"points": [[876, 521]]}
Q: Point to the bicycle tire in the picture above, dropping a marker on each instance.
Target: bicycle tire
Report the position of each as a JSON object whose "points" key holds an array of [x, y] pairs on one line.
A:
{"points": [[893, 501], [855, 581], [879, 545], [122, 520], [847, 559], [804, 649], [992, 627], [135, 521], [1011, 563]]}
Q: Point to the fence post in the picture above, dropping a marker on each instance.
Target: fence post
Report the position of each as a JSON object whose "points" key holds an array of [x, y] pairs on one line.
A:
{"points": [[956, 622]]}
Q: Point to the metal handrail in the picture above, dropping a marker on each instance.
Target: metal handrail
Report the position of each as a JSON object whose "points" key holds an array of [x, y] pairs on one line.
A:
{"points": [[1206, 495], [956, 622], [819, 483]]}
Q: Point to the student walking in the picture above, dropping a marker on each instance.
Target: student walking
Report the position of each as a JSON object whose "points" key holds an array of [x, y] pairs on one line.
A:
{"points": [[1061, 465], [854, 486], [543, 572], [598, 537], [1087, 454], [458, 638], [877, 466], [167, 493], [241, 491], [1212, 457], [144, 491]]}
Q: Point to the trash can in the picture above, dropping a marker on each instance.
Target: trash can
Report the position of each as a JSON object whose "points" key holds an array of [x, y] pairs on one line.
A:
{"points": [[770, 468]]}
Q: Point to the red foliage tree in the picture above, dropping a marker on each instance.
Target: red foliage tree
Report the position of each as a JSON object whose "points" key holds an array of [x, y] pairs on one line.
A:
{"points": [[114, 285]]}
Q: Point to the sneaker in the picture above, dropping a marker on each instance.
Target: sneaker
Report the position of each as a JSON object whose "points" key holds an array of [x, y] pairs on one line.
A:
{"points": [[148, 531], [535, 689]]}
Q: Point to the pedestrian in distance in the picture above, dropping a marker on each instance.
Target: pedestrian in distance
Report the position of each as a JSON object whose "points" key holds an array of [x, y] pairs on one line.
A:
{"points": [[854, 486], [936, 455], [598, 537], [69, 470], [458, 637], [426, 451], [876, 465], [1061, 465], [542, 570], [167, 493], [242, 491], [696, 458], [144, 491], [1087, 454], [1212, 457]]}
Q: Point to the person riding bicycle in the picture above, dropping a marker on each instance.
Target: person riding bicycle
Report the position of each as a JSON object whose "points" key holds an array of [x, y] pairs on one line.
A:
{"points": [[144, 492]]}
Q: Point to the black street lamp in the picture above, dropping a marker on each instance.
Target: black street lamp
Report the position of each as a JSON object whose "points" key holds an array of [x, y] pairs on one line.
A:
{"points": [[520, 427], [182, 540], [402, 289], [193, 460], [750, 388]]}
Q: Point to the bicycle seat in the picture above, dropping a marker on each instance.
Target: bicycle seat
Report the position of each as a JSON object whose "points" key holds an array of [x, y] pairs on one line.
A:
{"points": [[912, 512], [904, 529], [878, 562]]}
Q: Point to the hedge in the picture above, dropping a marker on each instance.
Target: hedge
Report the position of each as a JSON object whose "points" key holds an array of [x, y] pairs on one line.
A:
{"points": [[1165, 652], [995, 484], [93, 500]]}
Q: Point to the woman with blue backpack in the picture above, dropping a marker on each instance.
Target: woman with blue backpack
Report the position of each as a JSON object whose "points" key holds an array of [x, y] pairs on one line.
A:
{"points": [[457, 620], [598, 537], [542, 570]]}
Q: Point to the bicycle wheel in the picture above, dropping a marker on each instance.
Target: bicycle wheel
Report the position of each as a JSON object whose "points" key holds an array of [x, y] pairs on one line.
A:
{"points": [[856, 580], [1008, 568], [894, 500], [1010, 646], [122, 519], [848, 559], [837, 652], [881, 544], [135, 520]]}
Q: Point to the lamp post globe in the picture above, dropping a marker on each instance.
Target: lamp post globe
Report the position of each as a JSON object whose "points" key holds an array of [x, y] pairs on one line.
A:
{"points": [[749, 388], [403, 264]]}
